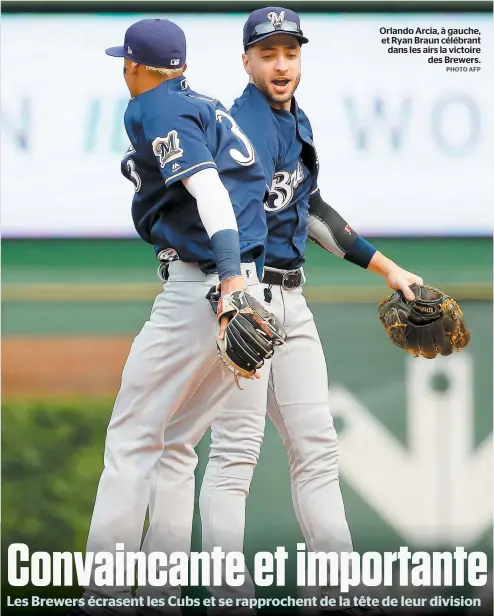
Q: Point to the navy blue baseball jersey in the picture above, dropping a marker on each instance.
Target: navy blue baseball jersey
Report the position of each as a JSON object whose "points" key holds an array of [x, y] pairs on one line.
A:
{"points": [[174, 133], [283, 141]]}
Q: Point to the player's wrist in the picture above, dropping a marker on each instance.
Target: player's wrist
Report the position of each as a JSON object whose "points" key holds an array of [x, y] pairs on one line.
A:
{"points": [[381, 265], [233, 283], [226, 248]]}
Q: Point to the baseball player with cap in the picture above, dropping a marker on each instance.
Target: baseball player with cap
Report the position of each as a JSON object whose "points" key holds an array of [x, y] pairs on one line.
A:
{"points": [[295, 391], [198, 200]]}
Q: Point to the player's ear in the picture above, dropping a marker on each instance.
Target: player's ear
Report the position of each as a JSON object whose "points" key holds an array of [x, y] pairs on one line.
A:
{"points": [[246, 63], [133, 68]]}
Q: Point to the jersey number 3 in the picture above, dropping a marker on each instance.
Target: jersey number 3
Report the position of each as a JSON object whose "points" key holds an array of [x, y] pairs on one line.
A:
{"points": [[134, 176], [242, 159]]}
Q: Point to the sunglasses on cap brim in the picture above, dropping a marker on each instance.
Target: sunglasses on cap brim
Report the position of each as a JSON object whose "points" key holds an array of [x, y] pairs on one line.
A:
{"points": [[290, 27]]}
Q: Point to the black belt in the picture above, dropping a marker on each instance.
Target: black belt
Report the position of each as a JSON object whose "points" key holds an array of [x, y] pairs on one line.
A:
{"points": [[288, 279]]}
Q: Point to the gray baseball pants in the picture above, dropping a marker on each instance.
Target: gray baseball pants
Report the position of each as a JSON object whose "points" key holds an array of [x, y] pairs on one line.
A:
{"points": [[172, 386], [294, 391]]}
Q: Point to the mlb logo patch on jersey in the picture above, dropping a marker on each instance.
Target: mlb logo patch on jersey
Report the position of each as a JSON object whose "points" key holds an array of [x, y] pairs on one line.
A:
{"points": [[167, 148]]}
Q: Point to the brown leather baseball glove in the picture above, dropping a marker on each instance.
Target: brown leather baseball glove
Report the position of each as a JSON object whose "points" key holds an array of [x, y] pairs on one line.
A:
{"points": [[431, 325]]}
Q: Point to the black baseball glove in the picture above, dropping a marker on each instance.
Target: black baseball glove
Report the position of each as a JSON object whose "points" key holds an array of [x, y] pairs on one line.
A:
{"points": [[431, 325], [251, 335]]}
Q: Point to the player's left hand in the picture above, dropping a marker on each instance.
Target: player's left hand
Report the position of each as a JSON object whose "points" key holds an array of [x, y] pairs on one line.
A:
{"points": [[399, 279]]}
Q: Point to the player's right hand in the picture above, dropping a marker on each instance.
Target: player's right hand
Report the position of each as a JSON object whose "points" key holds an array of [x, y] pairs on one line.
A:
{"points": [[229, 285], [399, 279], [251, 333]]}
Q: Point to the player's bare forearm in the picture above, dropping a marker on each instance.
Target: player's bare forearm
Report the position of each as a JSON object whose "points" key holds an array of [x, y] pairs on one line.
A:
{"points": [[381, 265]]}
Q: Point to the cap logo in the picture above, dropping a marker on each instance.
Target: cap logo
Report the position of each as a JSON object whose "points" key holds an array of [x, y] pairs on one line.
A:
{"points": [[129, 50], [276, 18], [175, 62]]}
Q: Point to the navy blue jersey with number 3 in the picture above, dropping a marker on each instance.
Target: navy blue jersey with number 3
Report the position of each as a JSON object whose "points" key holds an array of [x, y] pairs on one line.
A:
{"points": [[174, 133]]}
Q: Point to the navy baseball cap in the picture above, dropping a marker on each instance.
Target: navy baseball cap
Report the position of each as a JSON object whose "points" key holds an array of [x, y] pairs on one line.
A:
{"points": [[153, 42], [263, 23]]}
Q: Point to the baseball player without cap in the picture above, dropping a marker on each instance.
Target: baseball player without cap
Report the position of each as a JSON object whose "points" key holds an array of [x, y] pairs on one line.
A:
{"points": [[265, 22], [154, 42]]}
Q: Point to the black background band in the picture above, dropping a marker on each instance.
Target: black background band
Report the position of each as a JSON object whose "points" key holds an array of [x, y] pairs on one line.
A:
{"points": [[241, 6]]}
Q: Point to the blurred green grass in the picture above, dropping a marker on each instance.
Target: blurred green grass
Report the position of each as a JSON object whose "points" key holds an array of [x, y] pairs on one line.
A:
{"points": [[439, 260], [108, 286]]}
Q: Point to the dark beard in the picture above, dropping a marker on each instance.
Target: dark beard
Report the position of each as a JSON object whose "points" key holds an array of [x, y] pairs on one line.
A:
{"points": [[277, 100]]}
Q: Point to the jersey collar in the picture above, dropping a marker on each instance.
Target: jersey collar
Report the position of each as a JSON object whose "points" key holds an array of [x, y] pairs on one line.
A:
{"points": [[179, 84], [257, 95], [263, 106]]}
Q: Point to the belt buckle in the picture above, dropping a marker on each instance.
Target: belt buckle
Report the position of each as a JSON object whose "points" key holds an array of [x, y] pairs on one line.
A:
{"points": [[292, 275]]}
